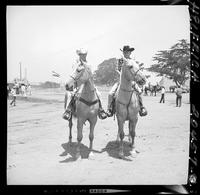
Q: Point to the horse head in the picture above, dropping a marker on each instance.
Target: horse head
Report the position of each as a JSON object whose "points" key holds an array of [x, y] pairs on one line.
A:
{"points": [[81, 75], [133, 73]]}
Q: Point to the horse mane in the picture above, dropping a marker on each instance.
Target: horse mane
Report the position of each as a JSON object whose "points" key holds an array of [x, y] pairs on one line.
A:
{"points": [[91, 81]]}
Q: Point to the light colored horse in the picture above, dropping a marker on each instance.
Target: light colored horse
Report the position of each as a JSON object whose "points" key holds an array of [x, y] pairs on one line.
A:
{"points": [[87, 105], [127, 105]]}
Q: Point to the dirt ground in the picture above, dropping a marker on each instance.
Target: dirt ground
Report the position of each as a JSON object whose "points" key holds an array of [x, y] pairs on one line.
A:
{"points": [[38, 151]]}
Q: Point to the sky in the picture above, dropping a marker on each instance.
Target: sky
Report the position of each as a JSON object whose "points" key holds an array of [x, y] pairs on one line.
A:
{"points": [[45, 38]]}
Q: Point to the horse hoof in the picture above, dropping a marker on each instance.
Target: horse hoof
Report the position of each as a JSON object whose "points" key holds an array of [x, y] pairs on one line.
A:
{"points": [[91, 156], [69, 156], [121, 155], [78, 157], [134, 153]]}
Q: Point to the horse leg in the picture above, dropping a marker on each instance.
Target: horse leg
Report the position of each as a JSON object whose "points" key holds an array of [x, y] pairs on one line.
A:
{"points": [[65, 100], [117, 137], [132, 126], [80, 123], [91, 135], [70, 131], [70, 121], [121, 135]]}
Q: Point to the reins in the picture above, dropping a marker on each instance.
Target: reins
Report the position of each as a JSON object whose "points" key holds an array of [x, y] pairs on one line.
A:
{"points": [[88, 103]]}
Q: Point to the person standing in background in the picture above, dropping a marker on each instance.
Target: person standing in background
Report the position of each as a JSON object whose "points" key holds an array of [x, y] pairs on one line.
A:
{"points": [[13, 92], [179, 96], [23, 89], [29, 89], [162, 95]]}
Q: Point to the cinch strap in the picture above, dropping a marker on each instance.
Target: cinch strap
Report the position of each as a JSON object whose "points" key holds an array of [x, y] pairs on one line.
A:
{"points": [[88, 103]]}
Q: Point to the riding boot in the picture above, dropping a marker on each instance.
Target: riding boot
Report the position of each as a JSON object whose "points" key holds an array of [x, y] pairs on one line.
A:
{"points": [[67, 115], [143, 110], [110, 106], [101, 113]]}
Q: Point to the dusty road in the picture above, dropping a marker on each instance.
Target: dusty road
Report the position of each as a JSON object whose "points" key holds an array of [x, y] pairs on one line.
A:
{"points": [[38, 152]]}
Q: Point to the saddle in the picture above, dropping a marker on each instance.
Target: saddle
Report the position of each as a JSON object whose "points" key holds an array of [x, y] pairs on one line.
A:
{"points": [[75, 97]]}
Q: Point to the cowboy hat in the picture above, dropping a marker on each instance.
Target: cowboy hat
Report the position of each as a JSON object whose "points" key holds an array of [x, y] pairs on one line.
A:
{"points": [[127, 48], [81, 51]]}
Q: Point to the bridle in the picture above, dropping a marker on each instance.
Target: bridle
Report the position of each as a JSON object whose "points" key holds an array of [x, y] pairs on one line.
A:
{"points": [[135, 73], [76, 79], [88, 103]]}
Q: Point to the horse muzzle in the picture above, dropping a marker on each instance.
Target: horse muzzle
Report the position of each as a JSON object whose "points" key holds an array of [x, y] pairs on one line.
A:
{"points": [[68, 88]]}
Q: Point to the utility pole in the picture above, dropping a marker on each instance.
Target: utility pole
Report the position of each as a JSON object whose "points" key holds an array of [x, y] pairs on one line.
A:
{"points": [[20, 71], [25, 74]]}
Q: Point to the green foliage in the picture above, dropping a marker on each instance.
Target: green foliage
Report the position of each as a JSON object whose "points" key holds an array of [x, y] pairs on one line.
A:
{"points": [[106, 72], [173, 63]]}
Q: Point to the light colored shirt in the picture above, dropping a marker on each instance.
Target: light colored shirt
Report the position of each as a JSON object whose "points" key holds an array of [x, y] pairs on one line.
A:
{"points": [[179, 91], [163, 90], [13, 92], [78, 62]]}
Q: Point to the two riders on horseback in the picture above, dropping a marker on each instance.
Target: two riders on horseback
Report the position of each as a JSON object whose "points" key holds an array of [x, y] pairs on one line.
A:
{"points": [[73, 92]]}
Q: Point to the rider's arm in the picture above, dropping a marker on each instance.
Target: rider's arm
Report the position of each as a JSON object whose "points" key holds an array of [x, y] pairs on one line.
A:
{"points": [[119, 65]]}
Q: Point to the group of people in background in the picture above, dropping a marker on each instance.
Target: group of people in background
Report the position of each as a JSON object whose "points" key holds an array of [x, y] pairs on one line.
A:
{"points": [[178, 92], [18, 89]]}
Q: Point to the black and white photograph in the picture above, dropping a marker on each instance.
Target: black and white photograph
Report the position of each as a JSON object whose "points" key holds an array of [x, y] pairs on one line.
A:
{"points": [[98, 95]]}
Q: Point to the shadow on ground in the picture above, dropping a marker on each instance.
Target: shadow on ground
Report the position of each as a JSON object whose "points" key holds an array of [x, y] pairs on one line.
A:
{"points": [[112, 148], [70, 150]]}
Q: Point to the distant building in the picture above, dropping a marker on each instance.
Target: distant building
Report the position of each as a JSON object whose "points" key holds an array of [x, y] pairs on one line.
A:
{"points": [[35, 83]]}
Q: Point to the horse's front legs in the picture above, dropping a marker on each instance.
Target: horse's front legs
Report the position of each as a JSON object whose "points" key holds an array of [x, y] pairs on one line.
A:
{"points": [[70, 131], [80, 123], [121, 135], [91, 135], [132, 126], [70, 121]]}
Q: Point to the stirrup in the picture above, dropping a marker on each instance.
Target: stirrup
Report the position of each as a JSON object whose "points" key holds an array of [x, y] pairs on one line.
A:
{"points": [[67, 115], [102, 114], [143, 111], [109, 113]]}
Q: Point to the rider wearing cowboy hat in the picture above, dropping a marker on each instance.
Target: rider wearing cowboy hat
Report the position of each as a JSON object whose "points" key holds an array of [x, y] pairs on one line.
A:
{"points": [[127, 50], [82, 53]]}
